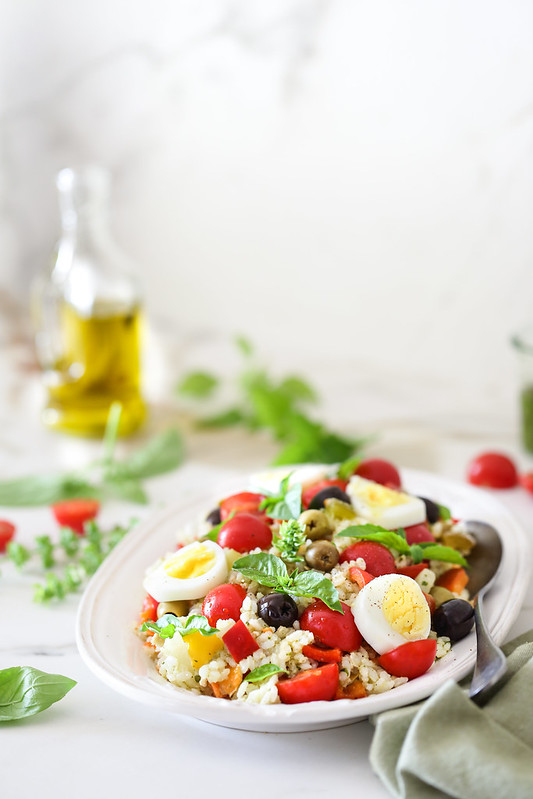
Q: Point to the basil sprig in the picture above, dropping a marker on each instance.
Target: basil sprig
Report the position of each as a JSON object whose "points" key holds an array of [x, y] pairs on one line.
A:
{"points": [[285, 503], [263, 672], [424, 550], [271, 571], [25, 691], [290, 538], [168, 625]]}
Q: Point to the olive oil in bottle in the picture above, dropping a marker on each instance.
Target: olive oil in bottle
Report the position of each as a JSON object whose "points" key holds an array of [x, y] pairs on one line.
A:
{"points": [[88, 317]]}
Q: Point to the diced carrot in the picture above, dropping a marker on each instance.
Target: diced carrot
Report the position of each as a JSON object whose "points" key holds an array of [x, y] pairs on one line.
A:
{"points": [[360, 576], [228, 686], [322, 655], [455, 580], [355, 690]]}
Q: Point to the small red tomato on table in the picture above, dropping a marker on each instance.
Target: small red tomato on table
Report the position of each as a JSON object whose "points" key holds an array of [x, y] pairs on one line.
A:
{"points": [[7, 531], [74, 513], [492, 470]]}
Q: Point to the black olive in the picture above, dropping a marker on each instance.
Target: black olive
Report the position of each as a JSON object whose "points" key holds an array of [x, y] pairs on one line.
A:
{"points": [[432, 510], [322, 555], [454, 618], [214, 517], [331, 492], [278, 610]]}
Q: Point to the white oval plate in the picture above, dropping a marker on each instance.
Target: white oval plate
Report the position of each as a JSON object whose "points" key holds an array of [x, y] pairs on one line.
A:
{"points": [[112, 600]]}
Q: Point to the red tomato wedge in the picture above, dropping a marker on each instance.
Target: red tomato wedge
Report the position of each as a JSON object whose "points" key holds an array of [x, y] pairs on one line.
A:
{"points": [[322, 655], [331, 628], [149, 609], [380, 471], [7, 531], [312, 685], [74, 513], [378, 559], [244, 532], [411, 659], [360, 576], [309, 492], [413, 570], [416, 533], [223, 602], [245, 502]]}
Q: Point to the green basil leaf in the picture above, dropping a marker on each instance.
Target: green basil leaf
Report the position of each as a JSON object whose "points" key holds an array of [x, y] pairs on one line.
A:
{"points": [[229, 418], [165, 627], [195, 624], [198, 385], [290, 539], [129, 489], [314, 584], [431, 551], [347, 468], [417, 553], [373, 532], [43, 490], [444, 513], [262, 672], [264, 568], [298, 389], [244, 345], [25, 691], [161, 454]]}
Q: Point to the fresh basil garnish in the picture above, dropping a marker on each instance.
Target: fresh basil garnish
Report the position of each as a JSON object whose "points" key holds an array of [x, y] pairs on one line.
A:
{"points": [[25, 691], [290, 538], [285, 503], [263, 672], [424, 550], [168, 625]]}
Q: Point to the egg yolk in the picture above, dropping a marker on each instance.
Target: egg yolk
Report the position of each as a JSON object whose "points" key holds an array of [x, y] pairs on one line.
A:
{"points": [[382, 496], [405, 611], [191, 563]]}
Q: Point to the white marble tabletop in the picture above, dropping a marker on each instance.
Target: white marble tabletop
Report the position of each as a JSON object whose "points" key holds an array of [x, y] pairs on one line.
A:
{"points": [[95, 742]]}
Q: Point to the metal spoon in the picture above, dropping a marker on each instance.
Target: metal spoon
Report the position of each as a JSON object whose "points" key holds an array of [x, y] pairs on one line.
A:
{"points": [[484, 561]]}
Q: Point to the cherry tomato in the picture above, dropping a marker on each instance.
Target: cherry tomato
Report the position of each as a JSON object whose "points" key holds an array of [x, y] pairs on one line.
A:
{"points": [[74, 513], [492, 470], [411, 659], [526, 481], [245, 532], [331, 628], [223, 602], [7, 531], [378, 559], [311, 685], [413, 570], [149, 609], [380, 471], [322, 655], [309, 492], [245, 502], [416, 533]]}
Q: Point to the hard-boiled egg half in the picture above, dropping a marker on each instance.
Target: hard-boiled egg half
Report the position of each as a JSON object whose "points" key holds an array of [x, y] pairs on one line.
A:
{"points": [[384, 506], [390, 611], [188, 573]]}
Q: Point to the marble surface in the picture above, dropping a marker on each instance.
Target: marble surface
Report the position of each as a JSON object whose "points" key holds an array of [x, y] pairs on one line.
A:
{"points": [[98, 743]]}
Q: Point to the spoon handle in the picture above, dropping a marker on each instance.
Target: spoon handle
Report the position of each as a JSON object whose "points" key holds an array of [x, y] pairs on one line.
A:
{"points": [[491, 664]]}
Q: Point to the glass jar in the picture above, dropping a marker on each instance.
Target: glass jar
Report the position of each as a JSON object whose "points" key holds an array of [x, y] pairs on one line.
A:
{"points": [[86, 308], [523, 345]]}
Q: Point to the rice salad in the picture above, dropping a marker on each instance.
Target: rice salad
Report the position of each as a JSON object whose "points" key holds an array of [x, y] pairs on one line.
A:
{"points": [[324, 583]]}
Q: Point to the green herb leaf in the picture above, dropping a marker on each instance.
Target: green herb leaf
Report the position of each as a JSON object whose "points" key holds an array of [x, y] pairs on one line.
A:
{"points": [[196, 624], [373, 532], [130, 490], [244, 345], [298, 389], [17, 553], [161, 454], [264, 568], [263, 672], [25, 691], [285, 503], [291, 537], [433, 551], [69, 541], [228, 418], [348, 467], [198, 385], [168, 625], [43, 489], [46, 550], [53, 588], [314, 584], [444, 513], [165, 627], [417, 553]]}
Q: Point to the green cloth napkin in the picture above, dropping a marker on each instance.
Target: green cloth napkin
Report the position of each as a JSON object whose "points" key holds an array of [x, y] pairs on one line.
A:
{"points": [[447, 746]]}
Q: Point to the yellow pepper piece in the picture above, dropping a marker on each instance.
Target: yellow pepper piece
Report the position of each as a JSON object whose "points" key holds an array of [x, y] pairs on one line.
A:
{"points": [[202, 648]]}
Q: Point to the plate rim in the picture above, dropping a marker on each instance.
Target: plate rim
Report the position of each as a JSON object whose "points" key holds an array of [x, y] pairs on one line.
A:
{"points": [[156, 692]]}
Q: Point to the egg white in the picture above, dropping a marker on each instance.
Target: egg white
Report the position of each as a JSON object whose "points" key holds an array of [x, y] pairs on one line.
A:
{"points": [[369, 617], [397, 510], [165, 588]]}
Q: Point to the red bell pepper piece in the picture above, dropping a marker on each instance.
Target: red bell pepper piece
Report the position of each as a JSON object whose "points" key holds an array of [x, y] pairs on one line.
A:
{"points": [[239, 641], [322, 655]]}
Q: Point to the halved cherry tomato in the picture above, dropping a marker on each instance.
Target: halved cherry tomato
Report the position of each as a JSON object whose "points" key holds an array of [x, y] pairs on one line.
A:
{"points": [[223, 602], [149, 609], [378, 559], [416, 533], [331, 628], [7, 531], [311, 685], [239, 641], [74, 513], [380, 471], [492, 470], [309, 492], [245, 502], [360, 576], [244, 532], [322, 655], [413, 570], [411, 659]]}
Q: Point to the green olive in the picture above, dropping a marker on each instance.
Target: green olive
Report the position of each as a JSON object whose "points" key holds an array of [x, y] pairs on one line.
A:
{"points": [[180, 607], [322, 555], [316, 524]]}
